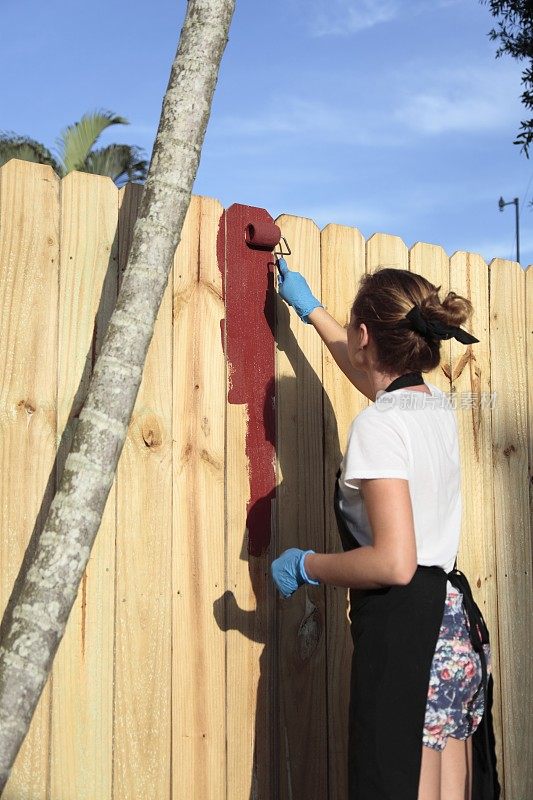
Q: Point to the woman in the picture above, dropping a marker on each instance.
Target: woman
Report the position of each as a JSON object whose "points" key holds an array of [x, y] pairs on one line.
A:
{"points": [[421, 660]]}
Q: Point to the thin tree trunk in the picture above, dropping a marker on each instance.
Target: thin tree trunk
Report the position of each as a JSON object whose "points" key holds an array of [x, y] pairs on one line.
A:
{"points": [[50, 587]]}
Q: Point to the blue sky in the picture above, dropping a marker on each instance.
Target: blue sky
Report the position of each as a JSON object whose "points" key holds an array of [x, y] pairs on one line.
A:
{"points": [[391, 116]]}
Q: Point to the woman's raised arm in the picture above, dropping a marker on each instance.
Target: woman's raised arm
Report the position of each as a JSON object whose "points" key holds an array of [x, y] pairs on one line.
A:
{"points": [[294, 289], [335, 338]]}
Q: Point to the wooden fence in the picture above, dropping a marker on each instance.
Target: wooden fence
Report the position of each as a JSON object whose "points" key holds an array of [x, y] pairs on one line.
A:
{"points": [[182, 674]]}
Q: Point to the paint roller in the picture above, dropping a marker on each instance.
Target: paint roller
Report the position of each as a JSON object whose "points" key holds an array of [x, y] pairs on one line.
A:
{"points": [[266, 236]]}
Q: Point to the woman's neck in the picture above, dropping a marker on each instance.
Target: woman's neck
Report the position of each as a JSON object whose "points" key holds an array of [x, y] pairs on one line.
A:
{"points": [[380, 381]]}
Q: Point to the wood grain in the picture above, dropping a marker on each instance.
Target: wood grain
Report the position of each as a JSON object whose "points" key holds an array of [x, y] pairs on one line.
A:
{"points": [[198, 419], [471, 386], [342, 265], [82, 673], [512, 519], [142, 721], [301, 634], [29, 267], [182, 673], [385, 250]]}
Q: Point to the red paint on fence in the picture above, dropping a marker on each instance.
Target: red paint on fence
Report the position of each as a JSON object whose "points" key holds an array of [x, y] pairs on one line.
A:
{"points": [[250, 300]]}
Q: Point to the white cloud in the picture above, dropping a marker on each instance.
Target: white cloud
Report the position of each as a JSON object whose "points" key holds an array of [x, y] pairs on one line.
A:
{"points": [[466, 98], [346, 17], [341, 17], [388, 214], [291, 116], [419, 101]]}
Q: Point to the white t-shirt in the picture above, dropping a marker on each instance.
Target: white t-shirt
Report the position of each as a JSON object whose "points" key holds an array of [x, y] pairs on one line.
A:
{"points": [[412, 435]]}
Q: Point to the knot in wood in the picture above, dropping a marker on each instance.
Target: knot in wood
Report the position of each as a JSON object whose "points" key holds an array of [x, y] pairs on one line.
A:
{"points": [[151, 431], [26, 405], [309, 632]]}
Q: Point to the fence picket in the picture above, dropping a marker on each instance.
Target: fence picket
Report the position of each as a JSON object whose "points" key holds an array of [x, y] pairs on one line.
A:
{"points": [[29, 264], [343, 263], [385, 250], [512, 518], [471, 386], [142, 721], [199, 396], [82, 672], [302, 646]]}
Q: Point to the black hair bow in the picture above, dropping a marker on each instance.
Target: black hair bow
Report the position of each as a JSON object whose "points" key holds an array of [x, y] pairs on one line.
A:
{"points": [[438, 330]]}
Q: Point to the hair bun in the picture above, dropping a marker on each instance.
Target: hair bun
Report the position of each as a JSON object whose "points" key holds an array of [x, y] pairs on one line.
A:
{"points": [[457, 309]]}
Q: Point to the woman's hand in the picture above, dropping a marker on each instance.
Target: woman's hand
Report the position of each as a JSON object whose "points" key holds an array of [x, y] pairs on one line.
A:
{"points": [[294, 289], [288, 571]]}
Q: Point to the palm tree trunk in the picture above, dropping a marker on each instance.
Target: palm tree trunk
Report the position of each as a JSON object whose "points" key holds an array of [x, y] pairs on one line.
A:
{"points": [[49, 590]]}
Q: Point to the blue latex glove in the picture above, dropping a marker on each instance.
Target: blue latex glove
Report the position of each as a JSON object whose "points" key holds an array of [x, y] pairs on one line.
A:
{"points": [[294, 289], [288, 571]]}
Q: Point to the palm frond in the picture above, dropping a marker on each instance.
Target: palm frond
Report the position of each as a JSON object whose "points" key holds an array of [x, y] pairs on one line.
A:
{"points": [[13, 145], [77, 140], [120, 162]]}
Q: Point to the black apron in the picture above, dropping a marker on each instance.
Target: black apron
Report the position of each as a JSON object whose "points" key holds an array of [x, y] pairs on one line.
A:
{"points": [[394, 632]]}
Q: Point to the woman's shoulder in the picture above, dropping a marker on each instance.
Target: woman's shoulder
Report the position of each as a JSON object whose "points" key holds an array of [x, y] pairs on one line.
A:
{"points": [[443, 399], [379, 414], [387, 406], [435, 389]]}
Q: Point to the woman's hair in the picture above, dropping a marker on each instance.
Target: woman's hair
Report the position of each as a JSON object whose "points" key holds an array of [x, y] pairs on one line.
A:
{"points": [[384, 297]]}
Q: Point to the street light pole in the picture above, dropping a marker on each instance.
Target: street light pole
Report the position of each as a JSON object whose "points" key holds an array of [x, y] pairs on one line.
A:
{"points": [[501, 205]]}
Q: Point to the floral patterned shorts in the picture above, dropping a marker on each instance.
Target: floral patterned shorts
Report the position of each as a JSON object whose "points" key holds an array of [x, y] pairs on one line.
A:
{"points": [[455, 703]]}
